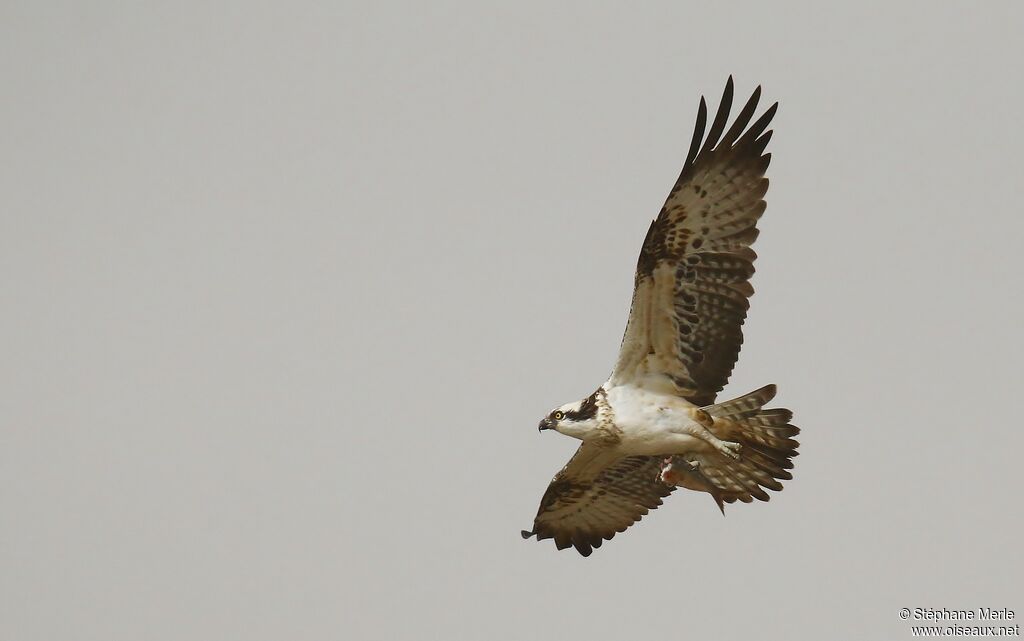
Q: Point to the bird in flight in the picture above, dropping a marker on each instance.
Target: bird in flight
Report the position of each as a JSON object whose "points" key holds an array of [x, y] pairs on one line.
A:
{"points": [[654, 424]]}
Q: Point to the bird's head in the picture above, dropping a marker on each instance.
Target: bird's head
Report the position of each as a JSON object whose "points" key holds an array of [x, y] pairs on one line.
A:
{"points": [[579, 419]]}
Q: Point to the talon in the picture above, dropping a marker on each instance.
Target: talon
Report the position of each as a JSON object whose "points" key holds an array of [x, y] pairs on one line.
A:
{"points": [[730, 449]]}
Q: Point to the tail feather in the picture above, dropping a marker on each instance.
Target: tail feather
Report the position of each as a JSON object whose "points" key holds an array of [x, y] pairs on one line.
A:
{"points": [[746, 405], [765, 458], [770, 418]]}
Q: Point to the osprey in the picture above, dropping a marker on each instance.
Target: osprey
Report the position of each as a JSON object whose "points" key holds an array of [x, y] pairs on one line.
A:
{"points": [[654, 424]]}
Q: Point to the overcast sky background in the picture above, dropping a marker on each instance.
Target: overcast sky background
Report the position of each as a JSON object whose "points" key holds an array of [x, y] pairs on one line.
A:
{"points": [[286, 289]]}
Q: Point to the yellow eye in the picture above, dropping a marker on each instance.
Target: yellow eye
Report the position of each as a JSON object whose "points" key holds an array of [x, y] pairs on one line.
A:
{"points": [[558, 416]]}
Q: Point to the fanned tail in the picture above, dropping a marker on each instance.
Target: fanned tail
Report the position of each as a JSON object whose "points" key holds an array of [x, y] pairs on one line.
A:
{"points": [[768, 447]]}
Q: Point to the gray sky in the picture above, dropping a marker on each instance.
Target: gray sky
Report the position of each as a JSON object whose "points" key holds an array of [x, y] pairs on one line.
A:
{"points": [[287, 288]]}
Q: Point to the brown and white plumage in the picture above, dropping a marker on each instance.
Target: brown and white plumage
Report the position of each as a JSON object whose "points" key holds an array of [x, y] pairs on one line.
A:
{"points": [[768, 446], [692, 278], [596, 495], [643, 432]]}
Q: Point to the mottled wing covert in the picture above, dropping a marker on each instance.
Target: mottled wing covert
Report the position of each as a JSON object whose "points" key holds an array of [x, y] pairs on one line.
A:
{"points": [[692, 278], [597, 495]]}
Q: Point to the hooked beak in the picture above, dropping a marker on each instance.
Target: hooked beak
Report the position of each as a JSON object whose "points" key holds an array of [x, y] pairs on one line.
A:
{"points": [[545, 424]]}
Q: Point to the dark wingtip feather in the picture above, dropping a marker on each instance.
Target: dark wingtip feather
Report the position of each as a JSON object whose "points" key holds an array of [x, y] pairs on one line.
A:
{"points": [[743, 118], [698, 133], [762, 142], [762, 123], [721, 118]]}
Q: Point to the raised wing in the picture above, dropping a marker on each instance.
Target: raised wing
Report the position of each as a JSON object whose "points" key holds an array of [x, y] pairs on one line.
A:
{"points": [[597, 495], [692, 278]]}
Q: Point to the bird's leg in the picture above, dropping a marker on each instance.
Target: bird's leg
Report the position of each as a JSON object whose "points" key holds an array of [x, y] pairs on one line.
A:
{"points": [[700, 429]]}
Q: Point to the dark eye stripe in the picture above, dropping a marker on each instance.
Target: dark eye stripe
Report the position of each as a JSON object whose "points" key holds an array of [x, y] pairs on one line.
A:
{"points": [[588, 409]]}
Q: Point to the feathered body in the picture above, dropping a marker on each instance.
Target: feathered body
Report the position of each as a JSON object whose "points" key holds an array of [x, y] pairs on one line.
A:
{"points": [[654, 425]]}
